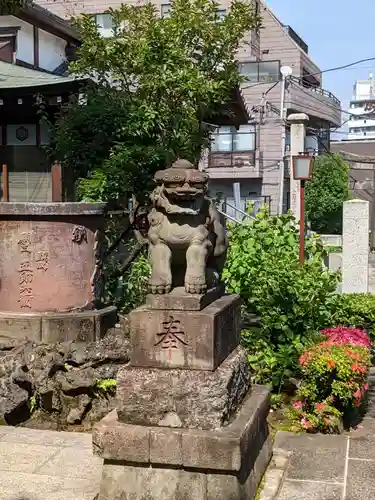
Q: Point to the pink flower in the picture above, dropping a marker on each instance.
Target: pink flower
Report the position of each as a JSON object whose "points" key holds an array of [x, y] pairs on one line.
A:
{"points": [[358, 394], [365, 387], [352, 336], [298, 405], [319, 406], [306, 424]]}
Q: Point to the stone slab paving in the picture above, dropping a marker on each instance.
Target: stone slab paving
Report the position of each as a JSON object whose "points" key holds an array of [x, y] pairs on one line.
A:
{"points": [[47, 465], [324, 467]]}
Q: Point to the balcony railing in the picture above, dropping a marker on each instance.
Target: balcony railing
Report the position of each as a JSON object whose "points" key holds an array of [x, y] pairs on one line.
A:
{"points": [[318, 90], [231, 159]]}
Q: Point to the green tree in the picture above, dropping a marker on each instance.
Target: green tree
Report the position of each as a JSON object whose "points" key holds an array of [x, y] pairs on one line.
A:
{"points": [[326, 192], [158, 84]]}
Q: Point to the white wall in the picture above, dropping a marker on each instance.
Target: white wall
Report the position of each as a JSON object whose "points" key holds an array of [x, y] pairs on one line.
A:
{"points": [[51, 47], [51, 50], [25, 37]]}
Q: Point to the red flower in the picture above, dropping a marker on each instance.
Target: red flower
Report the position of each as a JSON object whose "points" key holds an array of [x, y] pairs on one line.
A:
{"points": [[326, 421], [298, 405], [357, 368], [319, 406], [331, 364]]}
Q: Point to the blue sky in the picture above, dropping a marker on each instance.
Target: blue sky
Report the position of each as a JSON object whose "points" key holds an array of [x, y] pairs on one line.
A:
{"points": [[337, 32]]}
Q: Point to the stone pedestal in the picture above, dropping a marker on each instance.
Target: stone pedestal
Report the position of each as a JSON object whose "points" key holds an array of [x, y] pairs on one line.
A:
{"points": [[175, 338], [188, 425], [164, 463]]}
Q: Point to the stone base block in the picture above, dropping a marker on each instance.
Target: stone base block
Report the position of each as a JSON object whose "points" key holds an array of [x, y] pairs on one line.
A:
{"points": [[85, 326], [161, 463], [179, 300], [183, 398], [198, 340]]}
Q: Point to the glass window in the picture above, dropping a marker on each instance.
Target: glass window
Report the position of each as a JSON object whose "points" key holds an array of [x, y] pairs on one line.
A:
{"points": [[265, 71], [227, 139], [220, 14], [269, 71], [249, 70], [223, 139], [165, 9], [244, 138], [104, 23]]}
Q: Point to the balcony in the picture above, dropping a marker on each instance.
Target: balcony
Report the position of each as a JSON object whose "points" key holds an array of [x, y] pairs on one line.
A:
{"points": [[234, 165], [318, 103]]}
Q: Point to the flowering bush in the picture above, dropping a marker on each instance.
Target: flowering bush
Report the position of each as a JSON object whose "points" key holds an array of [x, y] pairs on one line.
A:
{"points": [[333, 384], [319, 417], [343, 335]]}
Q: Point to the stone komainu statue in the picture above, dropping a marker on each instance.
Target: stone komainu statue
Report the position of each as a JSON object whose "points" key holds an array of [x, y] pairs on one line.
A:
{"points": [[187, 239]]}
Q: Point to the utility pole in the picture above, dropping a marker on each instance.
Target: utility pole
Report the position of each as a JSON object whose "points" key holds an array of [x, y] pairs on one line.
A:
{"points": [[285, 71]]}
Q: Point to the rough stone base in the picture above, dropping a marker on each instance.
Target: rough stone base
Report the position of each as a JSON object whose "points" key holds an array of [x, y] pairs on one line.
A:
{"points": [[183, 398], [85, 326], [160, 463]]}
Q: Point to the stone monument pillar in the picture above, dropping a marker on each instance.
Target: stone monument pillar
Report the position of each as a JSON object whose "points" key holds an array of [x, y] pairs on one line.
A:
{"points": [[355, 246], [188, 423]]}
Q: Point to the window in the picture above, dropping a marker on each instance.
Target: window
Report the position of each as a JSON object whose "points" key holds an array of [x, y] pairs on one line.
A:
{"points": [[104, 23], [220, 14], [165, 9], [265, 71], [228, 140]]}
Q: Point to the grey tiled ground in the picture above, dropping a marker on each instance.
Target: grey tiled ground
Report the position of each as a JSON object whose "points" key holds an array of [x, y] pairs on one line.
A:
{"points": [[329, 467], [47, 465]]}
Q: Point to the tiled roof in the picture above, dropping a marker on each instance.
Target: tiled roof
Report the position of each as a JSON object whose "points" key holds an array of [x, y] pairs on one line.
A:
{"points": [[13, 76]]}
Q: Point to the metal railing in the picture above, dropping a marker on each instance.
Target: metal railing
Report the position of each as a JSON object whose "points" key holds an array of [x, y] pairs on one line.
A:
{"points": [[318, 90], [228, 159], [235, 209]]}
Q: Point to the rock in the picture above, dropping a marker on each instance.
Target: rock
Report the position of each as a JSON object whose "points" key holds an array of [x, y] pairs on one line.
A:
{"points": [[13, 402], [75, 415], [76, 380], [113, 348], [49, 396], [100, 407], [61, 376]]}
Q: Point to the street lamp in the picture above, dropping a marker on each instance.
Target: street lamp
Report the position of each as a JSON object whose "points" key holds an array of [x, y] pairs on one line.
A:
{"points": [[302, 170]]}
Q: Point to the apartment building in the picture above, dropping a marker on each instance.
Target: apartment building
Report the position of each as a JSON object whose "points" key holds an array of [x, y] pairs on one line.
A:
{"points": [[362, 106], [244, 162]]}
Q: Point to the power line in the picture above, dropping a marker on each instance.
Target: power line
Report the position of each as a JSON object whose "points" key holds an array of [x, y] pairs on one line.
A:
{"points": [[337, 68]]}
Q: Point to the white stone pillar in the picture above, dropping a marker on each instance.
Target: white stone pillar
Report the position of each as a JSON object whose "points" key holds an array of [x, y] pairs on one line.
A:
{"points": [[355, 246], [298, 122]]}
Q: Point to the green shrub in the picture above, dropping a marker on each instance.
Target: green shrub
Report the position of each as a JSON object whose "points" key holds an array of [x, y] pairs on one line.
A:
{"points": [[357, 310], [292, 300], [334, 384], [271, 365], [128, 291], [326, 192]]}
